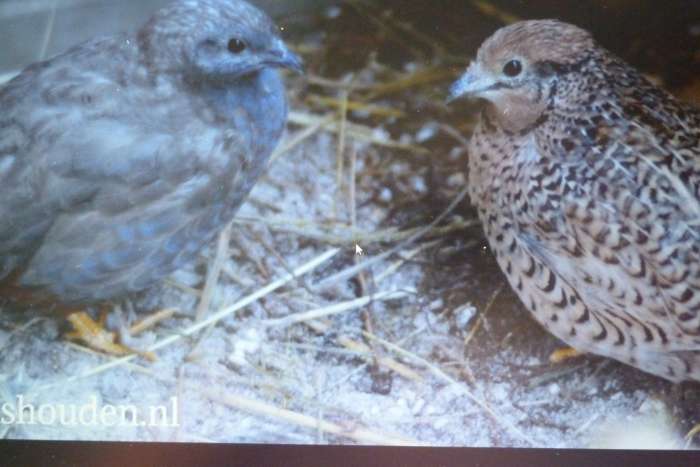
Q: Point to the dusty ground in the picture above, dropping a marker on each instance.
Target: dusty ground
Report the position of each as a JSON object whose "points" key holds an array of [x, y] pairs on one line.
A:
{"points": [[417, 340]]}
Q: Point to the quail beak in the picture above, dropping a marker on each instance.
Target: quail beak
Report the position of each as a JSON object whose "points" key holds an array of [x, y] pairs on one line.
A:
{"points": [[472, 83], [285, 58]]}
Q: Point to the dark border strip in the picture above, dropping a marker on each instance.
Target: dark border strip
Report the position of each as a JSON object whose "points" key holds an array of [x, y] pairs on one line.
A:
{"points": [[56, 454]]}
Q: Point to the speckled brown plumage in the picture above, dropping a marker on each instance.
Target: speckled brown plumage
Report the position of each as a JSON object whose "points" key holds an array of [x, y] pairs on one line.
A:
{"points": [[587, 179]]}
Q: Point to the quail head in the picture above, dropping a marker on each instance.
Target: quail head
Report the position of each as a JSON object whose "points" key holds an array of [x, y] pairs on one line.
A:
{"points": [[122, 157], [586, 177]]}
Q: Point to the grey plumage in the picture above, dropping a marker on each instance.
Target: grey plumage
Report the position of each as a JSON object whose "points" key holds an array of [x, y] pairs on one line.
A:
{"points": [[124, 156], [587, 179]]}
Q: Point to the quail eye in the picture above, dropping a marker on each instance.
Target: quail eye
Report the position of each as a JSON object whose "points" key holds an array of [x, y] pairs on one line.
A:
{"points": [[512, 68], [236, 46]]}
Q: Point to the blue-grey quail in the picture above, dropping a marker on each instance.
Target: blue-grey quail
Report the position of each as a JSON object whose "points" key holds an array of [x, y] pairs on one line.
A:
{"points": [[122, 157]]}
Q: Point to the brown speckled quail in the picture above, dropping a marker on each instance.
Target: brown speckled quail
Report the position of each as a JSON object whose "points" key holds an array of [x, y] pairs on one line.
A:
{"points": [[586, 177]]}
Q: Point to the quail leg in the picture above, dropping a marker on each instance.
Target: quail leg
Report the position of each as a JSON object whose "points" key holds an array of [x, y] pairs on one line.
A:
{"points": [[95, 336], [563, 354]]}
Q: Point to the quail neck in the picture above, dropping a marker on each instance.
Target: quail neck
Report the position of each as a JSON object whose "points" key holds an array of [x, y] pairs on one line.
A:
{"points": [[257, 105], [586, 177]]}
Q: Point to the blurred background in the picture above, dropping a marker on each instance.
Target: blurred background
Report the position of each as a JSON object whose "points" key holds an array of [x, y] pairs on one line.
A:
{"points": [[31, 30], [661, 38]]}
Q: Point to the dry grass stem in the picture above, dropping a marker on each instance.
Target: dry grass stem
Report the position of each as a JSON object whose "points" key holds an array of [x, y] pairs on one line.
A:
{"points": [[372, 109], [362, 435], [454, 133], [383, 361], [351, 191], [691, 434], [340, 149], [300, 137], [324, 327], [489, 9], [405, 257], [332, 83], [344, 235], [213, 271], [230, 272], [151, 320], [18, 330], [183, 287], [587, 424], [418, 78], [48, 32], [338, 307], [482, 316]]}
